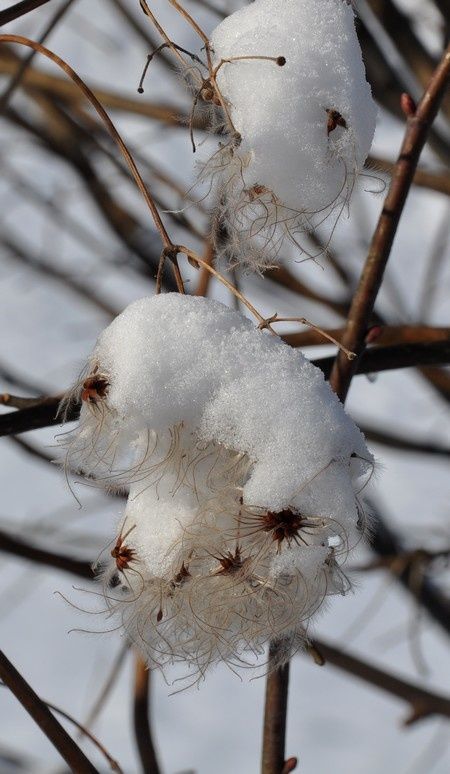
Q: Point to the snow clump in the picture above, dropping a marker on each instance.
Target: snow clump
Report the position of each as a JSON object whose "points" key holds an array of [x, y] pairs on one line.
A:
{"points": [[243, 472], [300, 120]]}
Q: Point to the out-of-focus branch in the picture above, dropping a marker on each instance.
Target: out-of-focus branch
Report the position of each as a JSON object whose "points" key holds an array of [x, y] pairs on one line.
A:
{"points": [[387, 84], [363, 302], [26, 61], [67, 748], [26, 550], [50, 269], [55, 86], [19, 9], [387, 335], [141, 714], [387, 544], [404, 444], [423, 703], [435, 181], [283, 277]]}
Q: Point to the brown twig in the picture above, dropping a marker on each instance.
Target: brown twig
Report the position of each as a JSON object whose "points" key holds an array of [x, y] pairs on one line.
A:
{"points": [[67, 748], [26, 62], [114, 766], [386, 335], [19, 9], [417, 128], [434, 181], [141, 713], [423, 703], [275, 713], [25, 550]]}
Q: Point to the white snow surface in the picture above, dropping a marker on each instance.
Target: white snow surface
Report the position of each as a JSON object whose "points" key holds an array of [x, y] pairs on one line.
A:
{"points": [[281, 112], [174, 360]]}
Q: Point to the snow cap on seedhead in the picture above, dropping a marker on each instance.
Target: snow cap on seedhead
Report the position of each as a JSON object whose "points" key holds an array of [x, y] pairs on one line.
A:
{"points": [[243, 471], [305, 128]]}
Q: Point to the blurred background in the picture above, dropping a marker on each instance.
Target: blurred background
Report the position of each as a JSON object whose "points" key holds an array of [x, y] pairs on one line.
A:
{"points": [[77, 246]]}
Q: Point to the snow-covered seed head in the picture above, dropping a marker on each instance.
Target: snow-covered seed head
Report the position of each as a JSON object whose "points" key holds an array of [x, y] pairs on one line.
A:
{"points": [[306, 126], [244, 477]]}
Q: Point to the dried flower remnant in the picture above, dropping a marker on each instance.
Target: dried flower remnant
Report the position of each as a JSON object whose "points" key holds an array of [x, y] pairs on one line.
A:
{"points": [[243, 472]]}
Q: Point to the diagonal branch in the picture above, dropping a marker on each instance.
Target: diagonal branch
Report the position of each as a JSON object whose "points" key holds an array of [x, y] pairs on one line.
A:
{"points": [[19, 9], [423, 703], [67, 748], [417, 128], [25, 550]]}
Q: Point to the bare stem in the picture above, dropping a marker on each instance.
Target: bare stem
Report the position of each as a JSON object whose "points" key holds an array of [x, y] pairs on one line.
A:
{"points": [[275, 713], [67, 748], [142, 728], [417, 128]]}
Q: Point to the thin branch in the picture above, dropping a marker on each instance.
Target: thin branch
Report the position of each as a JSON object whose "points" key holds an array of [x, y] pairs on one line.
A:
{"points": [[402, 443], [275, 713], [363, 302], [85, 731], [423, 703], [25, 550], [19, 9], [67, 748], [26, 62], [386, 335], [435, 181], [387, 544], [141, 713]]}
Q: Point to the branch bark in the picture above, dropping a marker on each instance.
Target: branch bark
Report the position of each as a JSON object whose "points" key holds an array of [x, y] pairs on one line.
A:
{"points": [[69, 751], [141, 713], [423, 703], [417, 128]]}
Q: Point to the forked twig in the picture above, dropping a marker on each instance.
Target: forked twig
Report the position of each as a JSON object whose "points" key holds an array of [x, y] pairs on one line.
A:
{"points": [[304, 321]]}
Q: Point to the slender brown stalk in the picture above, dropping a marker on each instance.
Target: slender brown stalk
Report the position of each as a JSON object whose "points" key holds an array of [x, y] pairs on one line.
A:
{"points": [[15, 546], [142, 727], [423, 703], [417, 128], [25, 63], [275, 714], [386, 335], [67, 748], [19, 9]]}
